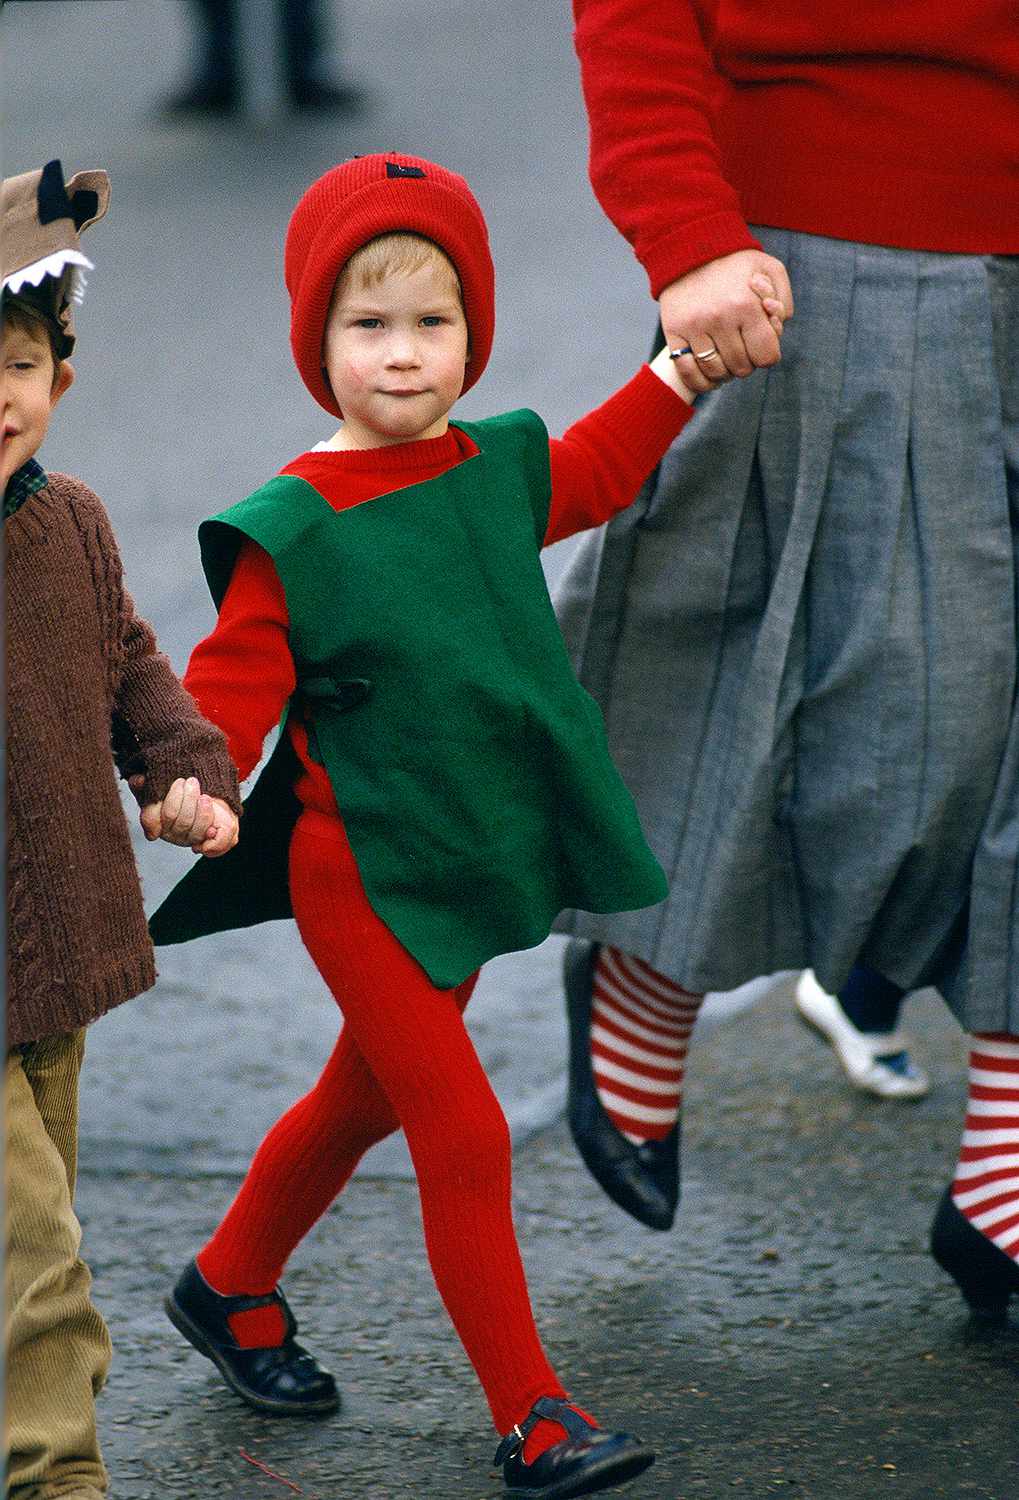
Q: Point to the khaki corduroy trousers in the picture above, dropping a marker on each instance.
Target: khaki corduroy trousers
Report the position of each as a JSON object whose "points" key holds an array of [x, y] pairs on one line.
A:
{"points": [[58, 1347]]}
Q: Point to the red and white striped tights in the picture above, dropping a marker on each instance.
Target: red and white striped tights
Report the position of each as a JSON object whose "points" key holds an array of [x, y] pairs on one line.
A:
{"points": [[641, 1024], [986, 1185], [640, 1032]]}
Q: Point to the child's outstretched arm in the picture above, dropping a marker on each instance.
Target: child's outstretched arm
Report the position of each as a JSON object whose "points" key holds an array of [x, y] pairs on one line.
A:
{"points": [[187, 816]]}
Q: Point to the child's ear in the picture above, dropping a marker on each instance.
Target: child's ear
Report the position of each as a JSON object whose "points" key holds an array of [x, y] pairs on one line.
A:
{"points": [[63, 382]]}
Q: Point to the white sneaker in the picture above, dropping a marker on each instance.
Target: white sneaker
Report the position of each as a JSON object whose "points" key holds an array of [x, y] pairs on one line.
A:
{"points": [[874, 1062]]}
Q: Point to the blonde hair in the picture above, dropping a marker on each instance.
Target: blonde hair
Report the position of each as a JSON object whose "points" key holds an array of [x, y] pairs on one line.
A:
{"points": [[398, 253]]}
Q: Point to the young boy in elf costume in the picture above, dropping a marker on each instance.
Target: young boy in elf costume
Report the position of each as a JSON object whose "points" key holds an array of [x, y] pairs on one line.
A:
{"points": [[82, 668], [441, 789]]}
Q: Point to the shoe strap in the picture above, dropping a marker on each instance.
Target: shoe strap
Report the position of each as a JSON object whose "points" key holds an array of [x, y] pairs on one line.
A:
{"points": [[229, 1305], [545, 1409]]}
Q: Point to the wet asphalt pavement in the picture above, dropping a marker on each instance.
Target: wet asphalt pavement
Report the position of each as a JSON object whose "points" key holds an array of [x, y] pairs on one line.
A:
{"points": [[790, 1335]]}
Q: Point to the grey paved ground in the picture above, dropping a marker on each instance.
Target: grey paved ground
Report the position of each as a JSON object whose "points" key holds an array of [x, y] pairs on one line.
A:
{"points": [[790, 1336]]}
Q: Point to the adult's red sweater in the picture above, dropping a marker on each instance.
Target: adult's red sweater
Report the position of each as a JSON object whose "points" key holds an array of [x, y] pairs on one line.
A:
{"points": [[888, 123], [242, 674]]}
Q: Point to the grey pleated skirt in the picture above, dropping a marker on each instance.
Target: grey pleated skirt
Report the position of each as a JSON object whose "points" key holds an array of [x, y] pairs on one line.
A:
{"points": [[803, 639]]}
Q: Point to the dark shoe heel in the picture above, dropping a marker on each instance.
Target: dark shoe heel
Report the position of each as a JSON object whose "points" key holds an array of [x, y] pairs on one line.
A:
{"points": [[283, 1381], [985, 1275], [642, 1180], [586, 1461]]}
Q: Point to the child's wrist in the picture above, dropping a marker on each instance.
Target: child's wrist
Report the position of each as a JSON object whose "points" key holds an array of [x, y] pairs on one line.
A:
{"points": [[665, 368]]}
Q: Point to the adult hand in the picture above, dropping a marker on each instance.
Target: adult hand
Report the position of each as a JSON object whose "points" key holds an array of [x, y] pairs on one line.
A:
{"points": [[715, 312]]}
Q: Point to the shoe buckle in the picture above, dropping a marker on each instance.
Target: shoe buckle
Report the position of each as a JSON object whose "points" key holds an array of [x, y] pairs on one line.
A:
{"points": [[510, 1445]]}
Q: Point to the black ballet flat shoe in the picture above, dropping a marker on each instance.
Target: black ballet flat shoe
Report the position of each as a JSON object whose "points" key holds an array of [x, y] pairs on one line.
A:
{"points": [[985, 1275], [585, 1461], [642, 1180], [286, 1381]]}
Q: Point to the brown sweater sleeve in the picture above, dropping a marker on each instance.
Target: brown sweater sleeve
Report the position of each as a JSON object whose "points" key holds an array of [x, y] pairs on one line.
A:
{"points": [[156, 728]]}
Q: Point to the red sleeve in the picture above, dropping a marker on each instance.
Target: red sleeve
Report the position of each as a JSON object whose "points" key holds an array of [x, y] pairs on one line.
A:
{"points": [[649, 86], [600, 463], [242, 674]]}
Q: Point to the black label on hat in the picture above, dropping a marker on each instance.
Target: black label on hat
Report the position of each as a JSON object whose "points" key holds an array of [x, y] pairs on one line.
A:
{"points": [[394, 169]]}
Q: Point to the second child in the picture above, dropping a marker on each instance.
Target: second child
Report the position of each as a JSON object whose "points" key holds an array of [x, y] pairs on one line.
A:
{"points": [[84, 676]]}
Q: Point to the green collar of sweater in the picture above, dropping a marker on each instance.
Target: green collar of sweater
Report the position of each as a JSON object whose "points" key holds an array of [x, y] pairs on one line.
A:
{"points": [[22, 485]]}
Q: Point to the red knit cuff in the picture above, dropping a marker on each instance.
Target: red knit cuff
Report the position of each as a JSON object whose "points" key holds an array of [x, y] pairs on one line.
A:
{"points": [[693, 245]]}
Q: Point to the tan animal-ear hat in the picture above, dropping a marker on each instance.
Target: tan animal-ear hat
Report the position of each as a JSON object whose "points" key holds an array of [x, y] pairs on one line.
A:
{"points": [[42, 217]]}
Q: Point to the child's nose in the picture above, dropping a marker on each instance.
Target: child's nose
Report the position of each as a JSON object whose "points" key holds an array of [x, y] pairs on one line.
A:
{"points": [[402, 349]]}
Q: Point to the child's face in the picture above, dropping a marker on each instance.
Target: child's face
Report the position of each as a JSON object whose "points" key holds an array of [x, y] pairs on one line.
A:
{"points": [[396, 354], [31, 388]]}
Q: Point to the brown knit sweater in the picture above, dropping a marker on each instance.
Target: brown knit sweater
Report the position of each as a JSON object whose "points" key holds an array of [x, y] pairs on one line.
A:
{"points": [[84, 679]]}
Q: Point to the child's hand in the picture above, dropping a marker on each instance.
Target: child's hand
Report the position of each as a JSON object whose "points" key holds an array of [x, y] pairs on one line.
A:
{"points": [[222, 833], [773, 306], [188, 817]]}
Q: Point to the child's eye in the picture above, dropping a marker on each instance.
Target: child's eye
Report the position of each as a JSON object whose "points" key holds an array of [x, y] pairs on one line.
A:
{"points": [[432, 320], [369, 323]]}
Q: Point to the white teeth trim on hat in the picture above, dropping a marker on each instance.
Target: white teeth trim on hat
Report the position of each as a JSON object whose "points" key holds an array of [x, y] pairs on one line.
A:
{"points": [[52, 265]]}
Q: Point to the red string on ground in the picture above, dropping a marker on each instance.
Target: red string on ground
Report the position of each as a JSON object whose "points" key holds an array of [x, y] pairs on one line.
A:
{"points": [[258, 1465]]}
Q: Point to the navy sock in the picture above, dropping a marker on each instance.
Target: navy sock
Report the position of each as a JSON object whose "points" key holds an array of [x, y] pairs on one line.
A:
{"points": [[871, 1001]]}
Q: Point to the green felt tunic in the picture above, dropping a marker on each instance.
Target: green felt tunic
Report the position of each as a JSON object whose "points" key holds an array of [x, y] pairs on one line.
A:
{"points": [[469, 766]]}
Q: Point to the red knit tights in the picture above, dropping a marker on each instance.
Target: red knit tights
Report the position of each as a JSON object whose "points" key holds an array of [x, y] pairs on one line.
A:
{"points": [[403, 1058]]}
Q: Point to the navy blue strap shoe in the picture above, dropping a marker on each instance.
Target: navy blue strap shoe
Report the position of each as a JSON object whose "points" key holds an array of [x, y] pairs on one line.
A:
{"points": [[282, 1381], [643, 1180], [587, 1459]]}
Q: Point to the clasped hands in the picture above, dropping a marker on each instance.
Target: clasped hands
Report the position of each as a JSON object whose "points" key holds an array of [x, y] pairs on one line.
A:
{"points": [[731, 313], [189, 817]]}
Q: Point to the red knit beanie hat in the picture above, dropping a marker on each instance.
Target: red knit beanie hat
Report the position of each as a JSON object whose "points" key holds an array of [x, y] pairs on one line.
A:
{"points": [[352, 204]]}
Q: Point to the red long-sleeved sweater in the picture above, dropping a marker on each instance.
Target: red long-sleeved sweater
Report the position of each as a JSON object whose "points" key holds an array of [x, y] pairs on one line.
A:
{"points": [[891, 124], [242, 674]]}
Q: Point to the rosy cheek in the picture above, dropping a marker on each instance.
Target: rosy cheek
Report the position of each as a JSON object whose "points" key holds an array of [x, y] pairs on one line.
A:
{"points": [[359, 370]]}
